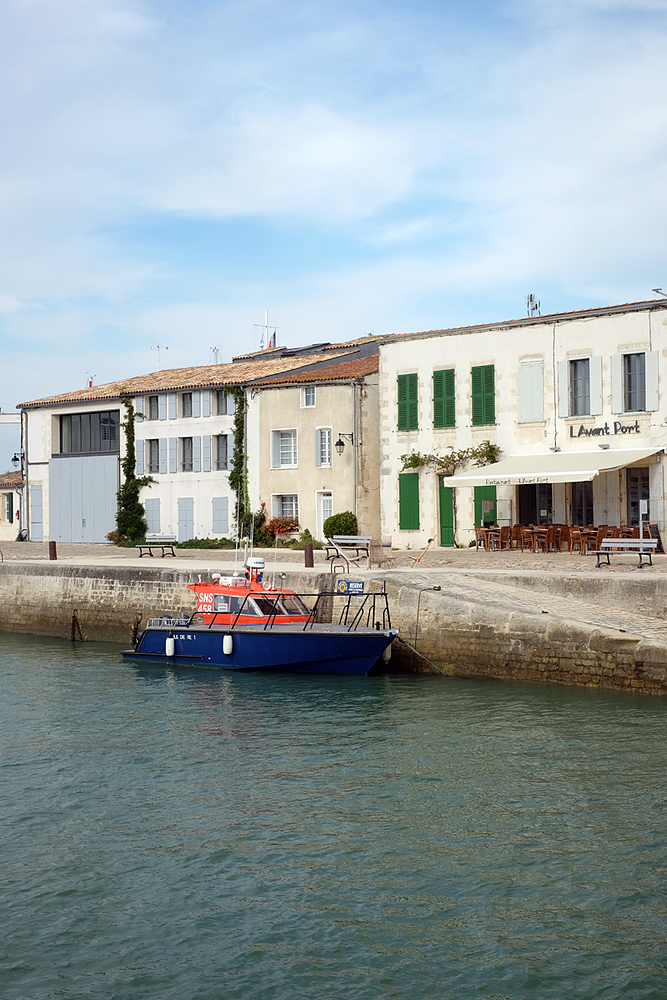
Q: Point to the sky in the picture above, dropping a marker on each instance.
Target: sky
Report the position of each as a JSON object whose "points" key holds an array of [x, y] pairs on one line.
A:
{"points": [[170, 170]]}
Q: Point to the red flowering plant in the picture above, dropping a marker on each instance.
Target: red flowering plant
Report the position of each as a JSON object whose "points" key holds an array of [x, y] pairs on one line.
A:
{"points": [[281, 525]]}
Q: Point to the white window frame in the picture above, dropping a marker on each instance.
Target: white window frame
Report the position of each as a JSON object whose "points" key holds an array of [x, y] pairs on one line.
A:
{"points": [[308, 397], [651, 369], [277, 448], [324, 434], [278, 506]]}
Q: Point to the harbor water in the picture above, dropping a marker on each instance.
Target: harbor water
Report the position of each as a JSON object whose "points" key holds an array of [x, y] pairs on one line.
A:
{"points": [[196, 835]]}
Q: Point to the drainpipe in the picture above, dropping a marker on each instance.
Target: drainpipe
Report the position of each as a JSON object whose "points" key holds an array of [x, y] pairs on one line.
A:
{"points": [[24, 519], [354, 448]]}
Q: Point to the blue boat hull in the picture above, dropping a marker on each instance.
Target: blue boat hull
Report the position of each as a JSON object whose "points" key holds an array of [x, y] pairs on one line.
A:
{"points": [[321, 649]]}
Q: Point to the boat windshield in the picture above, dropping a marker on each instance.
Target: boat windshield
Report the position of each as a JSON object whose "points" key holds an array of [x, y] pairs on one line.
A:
{"points": [[294, 605], [268, 606], [232, 605]]}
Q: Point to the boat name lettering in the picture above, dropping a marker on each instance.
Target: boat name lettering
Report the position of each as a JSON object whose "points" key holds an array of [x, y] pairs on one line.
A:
{"points": [[184, 637], [605, 430]]}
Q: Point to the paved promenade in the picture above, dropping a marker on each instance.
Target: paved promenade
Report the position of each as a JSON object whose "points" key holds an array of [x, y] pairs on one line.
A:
{"points": [[564, 586]]}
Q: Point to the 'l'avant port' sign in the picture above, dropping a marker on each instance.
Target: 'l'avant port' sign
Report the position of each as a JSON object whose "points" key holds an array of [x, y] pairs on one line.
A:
{"points": [[350, 587]]}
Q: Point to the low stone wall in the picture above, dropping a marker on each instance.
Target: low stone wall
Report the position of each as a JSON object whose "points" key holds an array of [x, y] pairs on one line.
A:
{"points": [[40, 598], [468, 639]]}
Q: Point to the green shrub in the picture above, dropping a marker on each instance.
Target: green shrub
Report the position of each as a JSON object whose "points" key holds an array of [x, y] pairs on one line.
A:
{"points": [[207, 543], [340, 524]]}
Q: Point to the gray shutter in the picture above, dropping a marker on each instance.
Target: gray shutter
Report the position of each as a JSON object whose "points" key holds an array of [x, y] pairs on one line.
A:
{"points": [[162, 406], [196, 454], [596, 386], [139, 405], [185, 507], [563, 388], [172, 406], [318, 447], [220, 507], [206, 453], [152, 508], [531, 391], [195, 404], [162, 451], [231, 405], [139, 456], [275, 449], [36, 526], [652, 364], [206, 403], [173, 455], [616, 369]]}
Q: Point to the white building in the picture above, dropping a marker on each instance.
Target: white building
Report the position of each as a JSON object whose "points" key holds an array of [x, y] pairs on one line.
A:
{"points": [[11, 494], [575, 401]]}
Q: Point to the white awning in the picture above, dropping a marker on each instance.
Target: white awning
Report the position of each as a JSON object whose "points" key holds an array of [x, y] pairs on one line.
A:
{"points": [[550, 467]]}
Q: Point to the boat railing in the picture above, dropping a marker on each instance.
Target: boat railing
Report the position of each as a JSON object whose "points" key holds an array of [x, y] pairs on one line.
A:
{"points": [[353, 610], [178, 621]]}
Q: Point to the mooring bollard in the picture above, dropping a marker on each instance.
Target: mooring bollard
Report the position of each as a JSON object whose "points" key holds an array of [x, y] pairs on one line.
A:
{"points": [[308, 555], [52, 551]]}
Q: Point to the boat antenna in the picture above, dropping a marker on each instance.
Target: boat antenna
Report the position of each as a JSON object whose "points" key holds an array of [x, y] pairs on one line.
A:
{"points": [[275, 562], [238, 527]]}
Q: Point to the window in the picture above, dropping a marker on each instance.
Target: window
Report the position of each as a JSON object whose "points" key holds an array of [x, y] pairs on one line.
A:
{"points": [[408, 402], [186, 454], [89, 433], [186, 404], [408, 501], [637, 490], [286, 505], [531, 392], [153, 455], [634, 382], [444, 399], [283, 449], [225, 403], [582, 503], [580, 388], [153, 408], [308, 396], [9, 507], [483, 381], [323, 446], [221, 452]]}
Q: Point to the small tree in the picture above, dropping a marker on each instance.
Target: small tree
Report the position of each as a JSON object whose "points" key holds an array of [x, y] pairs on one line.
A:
{"points": [[131, 517], [340, 524]]}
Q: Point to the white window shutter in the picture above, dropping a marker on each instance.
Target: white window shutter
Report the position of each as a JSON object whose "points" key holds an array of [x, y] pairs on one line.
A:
{"points": [[196, 454], [139, 457], [563, 388], [139, 405], [531, 391], [652, 366], [162, 406], [220, 515], [171, 401], [173, 455], [231, 405], [206, 403], [275, 449], [206, 453], [318, 448], [162, 454], [596, 386], [616, 369], [195, 404], [152, 509]]}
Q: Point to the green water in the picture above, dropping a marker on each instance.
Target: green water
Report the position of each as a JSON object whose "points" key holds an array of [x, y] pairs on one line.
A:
{"points": [[206, 835]]}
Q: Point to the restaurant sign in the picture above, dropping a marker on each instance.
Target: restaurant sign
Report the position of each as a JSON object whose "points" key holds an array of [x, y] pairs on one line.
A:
{"points": [[605, 430]]}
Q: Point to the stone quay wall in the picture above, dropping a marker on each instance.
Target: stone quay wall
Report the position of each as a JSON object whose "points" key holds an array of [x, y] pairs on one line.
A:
{"points": [[442, 633], [461, 638]]}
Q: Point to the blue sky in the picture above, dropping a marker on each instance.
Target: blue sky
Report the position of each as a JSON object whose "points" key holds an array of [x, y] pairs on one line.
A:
{"points": [[170, 170]]}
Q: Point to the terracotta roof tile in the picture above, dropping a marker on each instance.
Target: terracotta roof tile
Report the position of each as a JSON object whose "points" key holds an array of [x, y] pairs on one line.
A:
{"points": [[11, 479], [180, 378], [356, 368]]}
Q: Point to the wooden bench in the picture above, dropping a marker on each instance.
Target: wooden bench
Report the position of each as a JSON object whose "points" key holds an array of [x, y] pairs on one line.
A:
{"points": [[643, 546], [164, 542], [342, 547]]}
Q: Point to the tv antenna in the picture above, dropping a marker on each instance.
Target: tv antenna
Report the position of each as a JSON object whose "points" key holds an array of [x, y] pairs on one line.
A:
{"points": [[532, 305], [158, 349], [215, 355], [659, 291], [268, 337]]}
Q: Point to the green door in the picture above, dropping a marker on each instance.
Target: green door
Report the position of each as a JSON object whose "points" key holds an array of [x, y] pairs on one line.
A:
{"points": [[446, 515], [485, 505]]}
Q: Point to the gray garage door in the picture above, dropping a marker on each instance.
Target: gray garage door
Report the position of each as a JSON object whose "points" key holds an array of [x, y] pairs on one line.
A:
{"points": [[82, 498]]}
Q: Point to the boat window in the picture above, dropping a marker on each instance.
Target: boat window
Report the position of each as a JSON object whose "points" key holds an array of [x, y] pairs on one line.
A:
{"points": [[295, 606], [268, 607], [221, 603]]}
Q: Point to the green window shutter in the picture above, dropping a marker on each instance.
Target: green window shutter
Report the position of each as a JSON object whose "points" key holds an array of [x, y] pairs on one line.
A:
{"points": [[408, 402], [408, 501], [444, 399], [483, 386]]}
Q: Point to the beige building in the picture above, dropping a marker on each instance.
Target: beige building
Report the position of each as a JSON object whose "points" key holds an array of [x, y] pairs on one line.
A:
{"points": [[316, 438], [11, 497]]}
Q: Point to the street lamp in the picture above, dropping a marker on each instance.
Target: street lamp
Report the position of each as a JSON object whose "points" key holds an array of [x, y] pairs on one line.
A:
{"points": [[340, 444], [17, 459]]}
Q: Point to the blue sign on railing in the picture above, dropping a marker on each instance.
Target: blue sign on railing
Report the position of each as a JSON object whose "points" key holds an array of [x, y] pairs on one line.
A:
{"points": [[350, 587]]}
